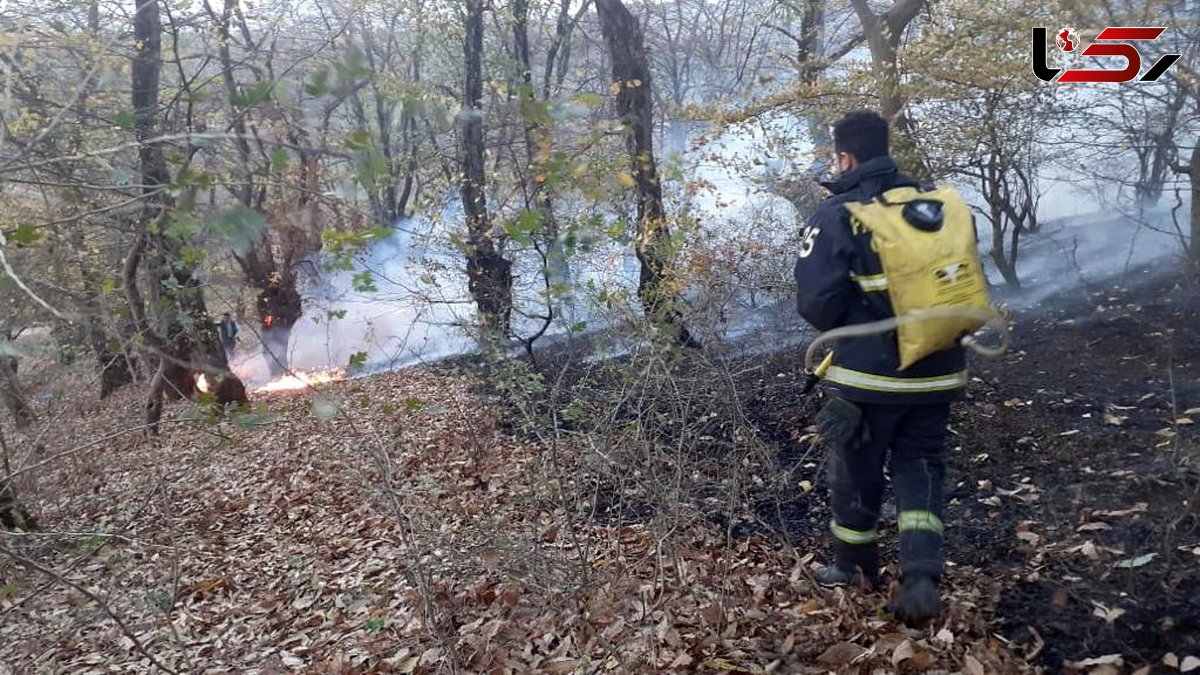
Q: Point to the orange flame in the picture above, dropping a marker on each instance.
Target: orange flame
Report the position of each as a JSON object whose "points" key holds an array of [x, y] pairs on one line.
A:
{"points": [[202, 384], [303, 380]]}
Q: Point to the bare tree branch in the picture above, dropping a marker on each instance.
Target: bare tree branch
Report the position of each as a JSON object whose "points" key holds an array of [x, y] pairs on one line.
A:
{"points": [[137, 643]]}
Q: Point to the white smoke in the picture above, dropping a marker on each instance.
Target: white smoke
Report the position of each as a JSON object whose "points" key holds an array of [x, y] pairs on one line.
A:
{"points": [[720, 185], [1070, 253]]}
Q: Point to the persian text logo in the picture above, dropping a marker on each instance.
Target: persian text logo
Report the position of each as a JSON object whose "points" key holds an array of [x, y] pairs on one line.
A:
{"points": [[1112, 41]]}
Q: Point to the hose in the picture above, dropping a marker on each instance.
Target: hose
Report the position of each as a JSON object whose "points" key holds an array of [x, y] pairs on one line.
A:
{"points": [[990, 317]]}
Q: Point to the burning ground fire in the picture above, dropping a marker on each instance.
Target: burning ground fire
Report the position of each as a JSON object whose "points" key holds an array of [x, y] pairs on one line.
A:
{"points": [[290, 382], [301, 380]]}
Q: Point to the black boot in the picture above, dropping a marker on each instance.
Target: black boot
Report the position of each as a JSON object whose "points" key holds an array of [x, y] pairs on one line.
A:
{"points": [[832, 576], [851, 563], [918, 601]]}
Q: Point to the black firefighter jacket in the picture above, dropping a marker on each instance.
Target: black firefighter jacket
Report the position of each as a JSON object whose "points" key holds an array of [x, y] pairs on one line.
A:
{"points": [[840, 281]]}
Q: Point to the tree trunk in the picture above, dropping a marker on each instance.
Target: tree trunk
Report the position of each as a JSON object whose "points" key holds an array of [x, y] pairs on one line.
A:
{"points": [[14, 395], [184, 334], [489, 275], [635, 107], [1193, 247], [116, 367], [12, 516], [1004, 263], [884, 33], [808, 47], [537, 152], [116, 370]]}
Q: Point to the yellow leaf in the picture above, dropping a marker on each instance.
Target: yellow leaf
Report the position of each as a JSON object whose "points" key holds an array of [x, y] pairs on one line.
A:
{"points": [[627, 179]]}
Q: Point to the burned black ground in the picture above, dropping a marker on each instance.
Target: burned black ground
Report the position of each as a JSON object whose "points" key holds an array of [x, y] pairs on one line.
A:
{"points": [[1085, 417], [1074, 471]]}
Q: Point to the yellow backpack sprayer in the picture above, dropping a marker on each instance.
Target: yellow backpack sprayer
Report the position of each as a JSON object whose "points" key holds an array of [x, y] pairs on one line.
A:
{"points": [[926, 243]]}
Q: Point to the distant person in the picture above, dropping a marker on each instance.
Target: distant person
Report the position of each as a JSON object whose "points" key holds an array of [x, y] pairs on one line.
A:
{"points": [[873, 405], [227, 328]]}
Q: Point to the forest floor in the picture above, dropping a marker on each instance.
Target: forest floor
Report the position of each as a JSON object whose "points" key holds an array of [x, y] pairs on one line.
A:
{"points": [[396, 524]]}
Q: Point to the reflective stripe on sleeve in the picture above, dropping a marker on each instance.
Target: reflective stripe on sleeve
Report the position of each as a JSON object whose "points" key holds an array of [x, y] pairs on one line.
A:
{"points": [[870, 282]]}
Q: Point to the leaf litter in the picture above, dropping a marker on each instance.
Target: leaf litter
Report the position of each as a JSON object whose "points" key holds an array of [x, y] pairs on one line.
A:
{"points": [[389, 524]]}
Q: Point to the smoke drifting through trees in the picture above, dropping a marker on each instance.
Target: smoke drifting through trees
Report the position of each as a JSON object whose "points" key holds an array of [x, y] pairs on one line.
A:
{"points": [[265, 150]]}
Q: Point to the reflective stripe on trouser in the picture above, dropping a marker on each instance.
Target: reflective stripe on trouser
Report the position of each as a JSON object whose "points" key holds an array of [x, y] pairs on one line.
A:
{"points": [[920, 543], [917, 521], [916, 438], [852, 536], [907, 385]]}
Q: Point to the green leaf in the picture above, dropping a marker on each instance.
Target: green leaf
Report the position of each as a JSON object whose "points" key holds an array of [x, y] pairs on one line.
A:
{"points": [[364, 282], [589, 99], [353, 66], [24, 235], [533, 110], [181, 225], [192, 256], [199, 413], [374, 625], [573, 412], [251, 420], [241, 226], [335, 314], [10, 349], [618, 230], [1140, 561], [522, 228], [372, 166], [319, 85], [357, 362], [358, 141], [280, 159], [414, 404], [59, 27], [187, 177], [579, 327], [252, 95], [125, 120]]}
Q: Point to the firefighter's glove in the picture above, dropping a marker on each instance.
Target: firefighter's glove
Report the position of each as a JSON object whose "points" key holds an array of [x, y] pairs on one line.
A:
{"points": [[837, 424]]}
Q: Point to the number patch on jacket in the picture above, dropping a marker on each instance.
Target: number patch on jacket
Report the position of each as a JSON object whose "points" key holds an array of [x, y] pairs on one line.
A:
{"points": [[809, 241]]}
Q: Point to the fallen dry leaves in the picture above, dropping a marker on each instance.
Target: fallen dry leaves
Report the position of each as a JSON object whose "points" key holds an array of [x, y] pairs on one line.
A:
{"points": [[390, 525]]}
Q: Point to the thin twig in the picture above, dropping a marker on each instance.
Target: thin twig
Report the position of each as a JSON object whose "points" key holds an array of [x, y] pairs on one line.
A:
{"points": [[89, 444], [21, 284], [22, 560], [93, 535]]}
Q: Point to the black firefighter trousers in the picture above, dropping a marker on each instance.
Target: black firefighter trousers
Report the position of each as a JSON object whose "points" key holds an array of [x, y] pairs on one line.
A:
{"points": [[916, 437]]}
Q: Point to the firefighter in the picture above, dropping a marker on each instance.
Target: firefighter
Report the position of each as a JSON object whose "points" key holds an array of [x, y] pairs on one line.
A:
{"points": [[872, 405], [227, 328]]}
